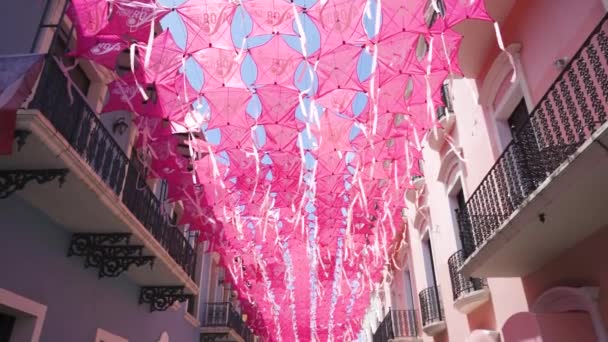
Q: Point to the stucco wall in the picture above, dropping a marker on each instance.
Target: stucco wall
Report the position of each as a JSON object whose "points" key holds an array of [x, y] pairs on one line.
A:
{"points": [[19, 22], [547, 30], [33, 264]]}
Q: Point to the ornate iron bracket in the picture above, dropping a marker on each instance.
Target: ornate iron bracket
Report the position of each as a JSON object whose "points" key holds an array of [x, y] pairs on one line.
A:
{"points": [[21, 138], [110, 253], [14, 180], [161, 298]]}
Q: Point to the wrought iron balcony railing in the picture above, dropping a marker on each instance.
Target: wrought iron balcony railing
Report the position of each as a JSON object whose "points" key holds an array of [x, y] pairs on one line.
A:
{"points": [[224, 315], [431, 306], [573, 108], [397, 323], [76, 121], [404, 322], [462, 285]]}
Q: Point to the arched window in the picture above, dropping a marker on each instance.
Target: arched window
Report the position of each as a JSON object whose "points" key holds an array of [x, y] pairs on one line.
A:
{"points": [[505, 97], [570, 299]]}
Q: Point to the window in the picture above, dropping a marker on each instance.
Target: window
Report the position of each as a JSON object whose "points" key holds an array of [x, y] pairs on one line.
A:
{"points": [[7, 323], [191, 306], [427, 252], [506, 101], [462, 203], [409, 292], [519, 117], [465, 235]]}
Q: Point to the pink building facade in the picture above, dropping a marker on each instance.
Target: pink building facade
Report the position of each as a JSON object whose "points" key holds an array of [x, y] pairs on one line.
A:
{"points": [[506, 232]]}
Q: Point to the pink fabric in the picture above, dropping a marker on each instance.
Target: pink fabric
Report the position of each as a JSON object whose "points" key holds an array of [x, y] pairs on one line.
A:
{"points": [[299, 190], [334, 73], [104, 50], [270, 16], [207, 23], [130, 21], [278, 106], [222, 67], [339, 22], [276, 62], [89, 16], [121, 18]]}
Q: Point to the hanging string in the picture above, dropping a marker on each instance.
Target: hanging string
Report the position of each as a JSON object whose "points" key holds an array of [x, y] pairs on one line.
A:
{"points": [[66, 72], [143, 93], [301, 32], [150, 44], [457, 151], [449, 61], [501, 45]]}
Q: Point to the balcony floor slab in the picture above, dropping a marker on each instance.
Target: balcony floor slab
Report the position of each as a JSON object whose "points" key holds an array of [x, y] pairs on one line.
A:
{"points": [[85, 204], [434, 328], [406, 339], [468, 302]]}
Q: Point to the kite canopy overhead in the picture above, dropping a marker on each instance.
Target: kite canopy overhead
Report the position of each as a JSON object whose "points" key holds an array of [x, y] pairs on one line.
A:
{"points": [[290, 131]]}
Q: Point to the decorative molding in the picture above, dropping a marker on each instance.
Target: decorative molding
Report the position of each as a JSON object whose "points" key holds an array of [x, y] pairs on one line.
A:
{"points": [[161, 298], [31, 329], [420, 220], [567, 299], [110, 253], [498, 112], [449, 163], [13, 180], [500, 69]]}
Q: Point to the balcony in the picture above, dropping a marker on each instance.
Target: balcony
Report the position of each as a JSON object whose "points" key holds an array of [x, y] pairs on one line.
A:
{"points": [[221, 322], [398, 325], [104, 200], [547, 190], [433, 321], [469, 293]]}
